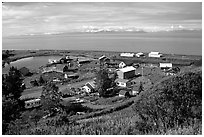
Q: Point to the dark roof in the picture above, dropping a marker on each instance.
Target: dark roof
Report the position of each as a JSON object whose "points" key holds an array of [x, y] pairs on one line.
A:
{"points": [[124, 92], [89, 85], [104, 58], [24, 70]]}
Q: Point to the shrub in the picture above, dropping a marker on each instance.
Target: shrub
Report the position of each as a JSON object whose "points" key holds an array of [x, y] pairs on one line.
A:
{"points": [[172, 102]]}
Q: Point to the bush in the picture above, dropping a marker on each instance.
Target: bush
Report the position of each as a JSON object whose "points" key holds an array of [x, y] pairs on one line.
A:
{"points": [[172, 103]]}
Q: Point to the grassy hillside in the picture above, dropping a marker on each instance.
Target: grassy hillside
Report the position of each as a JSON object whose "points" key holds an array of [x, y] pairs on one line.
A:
{"points": [[171, 106]]}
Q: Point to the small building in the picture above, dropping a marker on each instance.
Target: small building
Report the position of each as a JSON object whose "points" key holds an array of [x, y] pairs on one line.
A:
{"points": [[32, 103], [89, 87], [126, 73], [140, 54], [122, 65], [155, 54], [135, 90], [124, 93], [85, 61], [24, 71], [122, 82], [127, 54], [165, 65], [71, 75]]}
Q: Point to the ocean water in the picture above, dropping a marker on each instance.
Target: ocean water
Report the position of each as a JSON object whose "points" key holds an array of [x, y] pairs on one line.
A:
{"points": [[31, 63], [184, 42]]}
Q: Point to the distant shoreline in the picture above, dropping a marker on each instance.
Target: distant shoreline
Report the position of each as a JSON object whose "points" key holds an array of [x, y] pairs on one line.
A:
{"points": [[20, 54]]}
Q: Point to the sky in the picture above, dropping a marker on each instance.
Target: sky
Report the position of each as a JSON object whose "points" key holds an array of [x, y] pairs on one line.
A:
{"points": [[49, 18]]}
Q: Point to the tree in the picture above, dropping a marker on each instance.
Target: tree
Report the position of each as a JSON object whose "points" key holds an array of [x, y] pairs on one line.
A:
{"points": [[11, 92], [51, 99], [141, 87], [65, 68], [41, 80], [103, 82]]}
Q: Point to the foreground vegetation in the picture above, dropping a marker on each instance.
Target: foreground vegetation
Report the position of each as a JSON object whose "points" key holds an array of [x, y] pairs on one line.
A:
{"points": [[171, 106]]}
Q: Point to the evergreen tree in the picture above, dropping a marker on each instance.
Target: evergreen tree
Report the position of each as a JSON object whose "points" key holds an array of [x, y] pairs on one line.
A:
{"points": [[65, 68], [41, 80], [11, 92], [103, 82], [51, 98]]}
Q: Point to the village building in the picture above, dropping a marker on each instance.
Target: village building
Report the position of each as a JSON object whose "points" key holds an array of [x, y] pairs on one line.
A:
{"points": [[32, 103], [122, 65], [89, 87], [127, 54], [126, 73], [155, 54], [24, 71], [140, 54], [122, 82], [135, 90], [124, 93], [103, 59], [165, 66]]}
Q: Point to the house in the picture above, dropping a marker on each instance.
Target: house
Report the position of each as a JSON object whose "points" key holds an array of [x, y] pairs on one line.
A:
{"points": [[112, 64], [89, 87], [122, 82], [24, 71], [85, 61], [165, 65], [124, 93], [140, 54], [122, 65], [126, 73], [104, 59], [127, 54], [155, 54], [73, 76], [32, 103], [135, 90]]}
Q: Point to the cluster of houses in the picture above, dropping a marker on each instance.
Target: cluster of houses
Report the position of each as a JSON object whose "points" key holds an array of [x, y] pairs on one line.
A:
{"points": [[127, 76], [128, 79], [140, 54]]}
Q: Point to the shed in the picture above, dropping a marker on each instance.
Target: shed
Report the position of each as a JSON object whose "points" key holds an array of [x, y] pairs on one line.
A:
{"points": [[165, 65], [24, 71], [127, 54], [124, 93], [155, 54]]}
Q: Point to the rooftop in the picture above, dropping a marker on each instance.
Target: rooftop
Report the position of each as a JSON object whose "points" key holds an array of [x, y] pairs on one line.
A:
{"points": [[127, 69], [121, 80]]}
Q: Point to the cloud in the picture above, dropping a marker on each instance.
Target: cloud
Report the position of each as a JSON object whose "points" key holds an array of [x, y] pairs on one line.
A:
{"points": [[19, 18]]}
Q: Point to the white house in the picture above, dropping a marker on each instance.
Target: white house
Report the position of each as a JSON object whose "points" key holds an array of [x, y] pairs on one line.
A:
{"points": [[140, 54], [155, 54], [165, 65], [127, 54], [122, 82], [89, 87], [126, 72], [32, 103], [122, 65]]}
